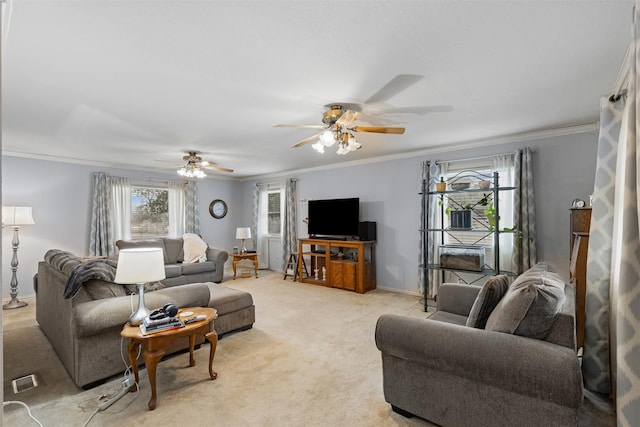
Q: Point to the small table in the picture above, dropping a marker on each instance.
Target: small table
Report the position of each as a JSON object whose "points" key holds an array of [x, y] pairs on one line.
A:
{"points": [[250, 256], [155, 345]]}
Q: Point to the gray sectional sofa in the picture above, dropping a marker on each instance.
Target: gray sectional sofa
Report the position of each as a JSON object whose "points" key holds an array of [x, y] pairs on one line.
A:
{"points": [[85, 329], [497, 355]]}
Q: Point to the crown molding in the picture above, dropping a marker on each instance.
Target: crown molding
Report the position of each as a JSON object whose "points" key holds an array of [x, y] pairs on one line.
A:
{"points": [[499, 140], [506, 139]]}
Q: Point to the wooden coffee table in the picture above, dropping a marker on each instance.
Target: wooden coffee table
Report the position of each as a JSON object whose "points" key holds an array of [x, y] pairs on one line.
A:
{"points": [[250, 256], [155, 345]]}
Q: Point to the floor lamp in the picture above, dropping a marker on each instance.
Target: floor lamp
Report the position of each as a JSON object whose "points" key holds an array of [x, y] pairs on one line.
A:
{"points": [[15, 216]]}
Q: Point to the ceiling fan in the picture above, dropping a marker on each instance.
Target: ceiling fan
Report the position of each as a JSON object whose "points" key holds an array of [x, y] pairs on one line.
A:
{"points": [[339, 118], [193, 168]]}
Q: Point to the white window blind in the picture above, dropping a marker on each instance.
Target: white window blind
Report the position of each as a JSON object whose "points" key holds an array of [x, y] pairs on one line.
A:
{"points": [[149, 211]]}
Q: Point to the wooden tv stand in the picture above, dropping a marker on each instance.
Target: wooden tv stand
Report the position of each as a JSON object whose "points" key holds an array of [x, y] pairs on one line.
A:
{"points": [[349, 264]]}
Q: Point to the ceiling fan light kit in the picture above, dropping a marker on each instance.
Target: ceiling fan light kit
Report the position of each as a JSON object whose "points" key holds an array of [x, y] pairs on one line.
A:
{"points": [[194, 168], [345, 140], [191, 171]]}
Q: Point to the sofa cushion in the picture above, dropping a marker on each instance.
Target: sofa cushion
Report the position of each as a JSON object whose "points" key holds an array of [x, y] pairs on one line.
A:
{"points": [[98, 289], [174, 250], [530, 305], [227, 300], [148, 287], [149, 243], [445, 316], [491, 293], [94, 317], [172, 270], [198, 267]]}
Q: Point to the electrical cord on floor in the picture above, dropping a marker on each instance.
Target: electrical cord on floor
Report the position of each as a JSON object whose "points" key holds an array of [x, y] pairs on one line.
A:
{"points": [[126, 383], [91, 417], [17, 402]]}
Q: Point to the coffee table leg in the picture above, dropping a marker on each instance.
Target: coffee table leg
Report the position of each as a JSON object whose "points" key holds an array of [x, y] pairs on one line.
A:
{"points": [[151, 359], [133, 352], [212, 337], [192, 346]]}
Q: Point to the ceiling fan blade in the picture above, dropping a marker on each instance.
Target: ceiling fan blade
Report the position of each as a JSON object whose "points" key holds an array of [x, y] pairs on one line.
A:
{"points": [[306, 141], [378, 129], [301, 126], [348, 117], [394, 87], [217, 168]]}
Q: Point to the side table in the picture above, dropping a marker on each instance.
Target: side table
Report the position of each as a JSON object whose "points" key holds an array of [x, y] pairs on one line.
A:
{"points": [[250, 256], [155, 345]]}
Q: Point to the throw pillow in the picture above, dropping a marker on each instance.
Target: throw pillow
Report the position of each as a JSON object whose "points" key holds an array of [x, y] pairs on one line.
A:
{"points": [[529, 306], [491, 293], [195, 249]]}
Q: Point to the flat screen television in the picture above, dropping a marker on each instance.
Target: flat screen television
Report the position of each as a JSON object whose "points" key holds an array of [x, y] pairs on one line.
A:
{"points": [[334, 217]]}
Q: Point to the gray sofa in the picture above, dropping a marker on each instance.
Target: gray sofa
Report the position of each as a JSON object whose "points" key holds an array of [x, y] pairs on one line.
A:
{"points": [[447, 372], [177, 272], [85, 330]]}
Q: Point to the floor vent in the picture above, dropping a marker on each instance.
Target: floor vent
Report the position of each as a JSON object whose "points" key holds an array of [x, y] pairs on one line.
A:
{"points": [[24, 383]]}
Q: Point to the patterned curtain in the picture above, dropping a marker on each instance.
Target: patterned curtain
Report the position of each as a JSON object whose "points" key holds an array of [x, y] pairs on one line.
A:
{"points": [[192, 210], [524, 250], [595, 362], [110, 213], [289, 223], [100, 228], [622, 274]]}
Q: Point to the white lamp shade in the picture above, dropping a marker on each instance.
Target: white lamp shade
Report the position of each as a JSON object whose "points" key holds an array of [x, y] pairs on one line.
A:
{"points": [[17, 215], [140, 265], [243, 233]]}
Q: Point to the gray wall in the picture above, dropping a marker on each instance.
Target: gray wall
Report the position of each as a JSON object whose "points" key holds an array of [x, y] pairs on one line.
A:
{"points": [[564, 169], [60, 195]]}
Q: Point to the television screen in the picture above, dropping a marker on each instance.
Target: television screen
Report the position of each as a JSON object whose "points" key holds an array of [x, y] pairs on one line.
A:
{"points": [[334, 217]]}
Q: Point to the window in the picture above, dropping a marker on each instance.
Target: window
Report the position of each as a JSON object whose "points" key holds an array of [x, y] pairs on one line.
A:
{"points": [[273, 212], [476, 200], [149, 212]]}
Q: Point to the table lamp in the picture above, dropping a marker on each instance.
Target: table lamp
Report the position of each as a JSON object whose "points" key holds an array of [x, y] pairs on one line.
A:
{"points": [[137, 266], [243, 233], [15, 216]]}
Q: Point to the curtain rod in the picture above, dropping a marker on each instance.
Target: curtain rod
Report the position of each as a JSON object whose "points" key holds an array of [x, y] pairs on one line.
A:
{"points": [[623, 76]]}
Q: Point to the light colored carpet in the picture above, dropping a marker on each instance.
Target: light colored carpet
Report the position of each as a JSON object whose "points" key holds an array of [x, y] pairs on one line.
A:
{"points": [[310, 360]]}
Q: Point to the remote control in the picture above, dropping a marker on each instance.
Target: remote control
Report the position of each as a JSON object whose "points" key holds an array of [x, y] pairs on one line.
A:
{"points": [[194, 319]]}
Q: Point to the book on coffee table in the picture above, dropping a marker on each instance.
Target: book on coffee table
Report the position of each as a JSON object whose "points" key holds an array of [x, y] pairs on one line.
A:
{"points": [[150, 329]]}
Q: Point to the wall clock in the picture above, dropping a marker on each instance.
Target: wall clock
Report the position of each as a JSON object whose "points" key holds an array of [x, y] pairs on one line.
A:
{"points": [[218, 208]]}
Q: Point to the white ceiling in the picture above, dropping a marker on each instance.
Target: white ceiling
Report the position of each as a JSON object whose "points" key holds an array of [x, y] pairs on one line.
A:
{"points": [[129, 83]]}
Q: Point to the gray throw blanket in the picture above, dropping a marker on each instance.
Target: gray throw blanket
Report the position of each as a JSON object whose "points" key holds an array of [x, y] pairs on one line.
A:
{"points": [[98, 269]]}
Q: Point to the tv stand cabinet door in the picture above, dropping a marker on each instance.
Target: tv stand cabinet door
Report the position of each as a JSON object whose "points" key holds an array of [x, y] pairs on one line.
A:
{"points": [[343, 275]]}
